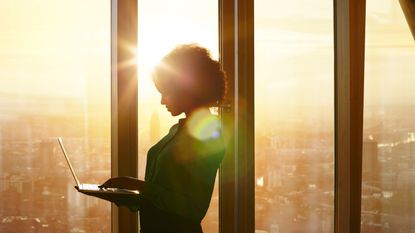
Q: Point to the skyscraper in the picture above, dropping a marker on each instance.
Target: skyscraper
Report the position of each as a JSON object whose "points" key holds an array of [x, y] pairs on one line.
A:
{"points": [[1, 151], [370, 165]]}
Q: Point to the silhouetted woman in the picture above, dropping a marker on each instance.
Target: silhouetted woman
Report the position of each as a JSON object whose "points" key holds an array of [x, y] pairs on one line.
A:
{"points": [[181, 167]]}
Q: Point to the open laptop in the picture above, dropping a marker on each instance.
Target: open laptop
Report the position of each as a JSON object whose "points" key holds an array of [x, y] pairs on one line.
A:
{"points": [[93, 189]]}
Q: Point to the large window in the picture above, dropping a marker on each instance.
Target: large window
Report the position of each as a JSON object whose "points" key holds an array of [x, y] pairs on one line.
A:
{"points": [[388, 185], [294, 112], [162, 25], [54, 81]]}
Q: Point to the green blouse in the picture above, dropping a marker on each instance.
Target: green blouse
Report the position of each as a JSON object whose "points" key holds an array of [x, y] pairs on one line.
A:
{"points": [[181, 171]]}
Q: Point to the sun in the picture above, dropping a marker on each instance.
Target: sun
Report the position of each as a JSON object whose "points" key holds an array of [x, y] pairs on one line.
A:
{"points": [[155, 41]]}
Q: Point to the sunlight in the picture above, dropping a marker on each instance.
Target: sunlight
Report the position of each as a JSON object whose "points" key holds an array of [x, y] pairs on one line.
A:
{"points": [[153, 45]]}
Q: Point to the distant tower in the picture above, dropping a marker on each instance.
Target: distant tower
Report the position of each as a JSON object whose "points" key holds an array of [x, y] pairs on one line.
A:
{"points": [[1, 151], [370, 166], [47, 157], [155, 127], [371, 174]]}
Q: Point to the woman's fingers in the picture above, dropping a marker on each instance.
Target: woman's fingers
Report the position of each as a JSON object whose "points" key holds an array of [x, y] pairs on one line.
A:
{"points": [[115, 182], [140, 185], [123, 182]]}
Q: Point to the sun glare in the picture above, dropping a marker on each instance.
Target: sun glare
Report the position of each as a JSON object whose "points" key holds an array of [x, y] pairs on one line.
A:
{"points": [[153, 45]]}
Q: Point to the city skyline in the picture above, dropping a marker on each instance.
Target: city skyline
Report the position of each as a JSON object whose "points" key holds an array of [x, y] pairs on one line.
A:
{"points": [[55, 80]]}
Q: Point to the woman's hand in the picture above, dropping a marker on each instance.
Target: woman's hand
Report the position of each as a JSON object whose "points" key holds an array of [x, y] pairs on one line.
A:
{"points": [[124, 182]]}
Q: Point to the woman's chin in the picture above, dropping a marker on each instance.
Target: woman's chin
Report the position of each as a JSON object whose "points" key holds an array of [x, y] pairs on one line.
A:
{"points": [[173, 113]]}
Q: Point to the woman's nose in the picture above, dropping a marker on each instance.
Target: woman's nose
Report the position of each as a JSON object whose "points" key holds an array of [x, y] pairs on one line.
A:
{"points": [[163, 100]]}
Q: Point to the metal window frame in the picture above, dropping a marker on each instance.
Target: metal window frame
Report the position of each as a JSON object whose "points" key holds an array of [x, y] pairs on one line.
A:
{"points": [[349, 51], [236, 37], [124, 92], [237, 177]]}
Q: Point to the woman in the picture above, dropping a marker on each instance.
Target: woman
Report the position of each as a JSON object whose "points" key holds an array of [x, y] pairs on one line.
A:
{"points": [[181, 167]]}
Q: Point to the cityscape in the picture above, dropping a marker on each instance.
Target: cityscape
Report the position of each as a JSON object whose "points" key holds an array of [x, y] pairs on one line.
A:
{"points": [[64, 90], [294, 174], [37, 191]]}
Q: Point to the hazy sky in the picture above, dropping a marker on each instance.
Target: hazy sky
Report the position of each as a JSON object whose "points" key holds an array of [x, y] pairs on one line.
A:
{"points": [[49, 47], [62, 48]]}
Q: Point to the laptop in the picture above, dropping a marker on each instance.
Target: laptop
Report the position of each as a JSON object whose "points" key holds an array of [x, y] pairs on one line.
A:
{"points": [[93, 189]]}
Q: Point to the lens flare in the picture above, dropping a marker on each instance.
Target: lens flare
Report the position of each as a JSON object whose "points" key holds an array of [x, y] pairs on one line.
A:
{"points": [[203, 125]]}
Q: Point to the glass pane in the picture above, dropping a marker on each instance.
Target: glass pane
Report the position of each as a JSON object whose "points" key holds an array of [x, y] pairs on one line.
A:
{"points": [[162, 25], [54, 81], [388, 185], [294, 116]]}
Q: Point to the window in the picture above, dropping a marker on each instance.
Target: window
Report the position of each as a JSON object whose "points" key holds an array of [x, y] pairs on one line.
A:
{"points": [[55, 81], [294, 116], [388, 181], [55, 69]]}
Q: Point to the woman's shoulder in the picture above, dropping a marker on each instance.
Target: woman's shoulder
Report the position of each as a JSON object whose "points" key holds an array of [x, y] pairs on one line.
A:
{"points": [[200, 139]]}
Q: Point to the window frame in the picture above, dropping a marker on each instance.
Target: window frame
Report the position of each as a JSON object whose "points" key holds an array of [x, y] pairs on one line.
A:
{"points": [[237, 176], [124, 101], [237, 198], [349, 53], [236, 46]]}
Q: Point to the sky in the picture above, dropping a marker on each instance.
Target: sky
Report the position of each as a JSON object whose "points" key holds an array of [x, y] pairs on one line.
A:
{"points": [[61, 48], [49, 47]]}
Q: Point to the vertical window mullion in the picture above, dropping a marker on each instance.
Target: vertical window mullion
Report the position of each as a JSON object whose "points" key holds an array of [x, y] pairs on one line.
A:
{"points": [[124, 97], [227, 172], [349, 27], [237, 170], [245, 115]]}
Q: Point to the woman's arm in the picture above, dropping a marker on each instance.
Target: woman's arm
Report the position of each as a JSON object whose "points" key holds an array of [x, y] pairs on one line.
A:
{"points": [[124, 182]]}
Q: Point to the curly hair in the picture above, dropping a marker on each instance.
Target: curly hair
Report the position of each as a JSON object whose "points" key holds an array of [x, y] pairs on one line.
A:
{"points": [[192, 66]]}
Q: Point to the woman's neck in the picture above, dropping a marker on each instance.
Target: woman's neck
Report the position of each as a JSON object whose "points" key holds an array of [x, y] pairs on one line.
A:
{"points": [[201, 109]]}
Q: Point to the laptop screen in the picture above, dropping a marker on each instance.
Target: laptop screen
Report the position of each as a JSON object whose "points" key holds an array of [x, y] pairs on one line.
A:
{"points": [[69, 162]]}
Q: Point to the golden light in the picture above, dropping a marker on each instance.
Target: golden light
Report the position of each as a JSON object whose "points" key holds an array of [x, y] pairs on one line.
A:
{"points": [[153, 45]]}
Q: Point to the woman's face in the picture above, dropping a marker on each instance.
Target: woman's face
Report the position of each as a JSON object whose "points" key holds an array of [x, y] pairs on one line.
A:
{"points": [[176, 100]]}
